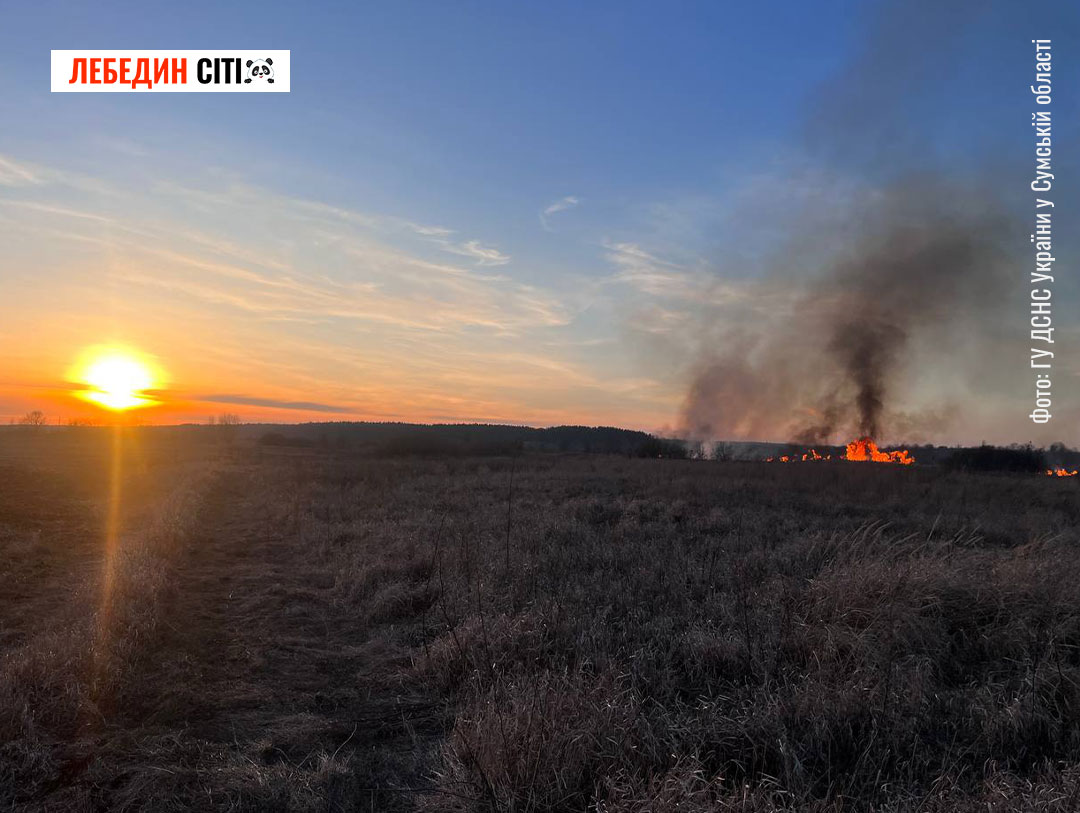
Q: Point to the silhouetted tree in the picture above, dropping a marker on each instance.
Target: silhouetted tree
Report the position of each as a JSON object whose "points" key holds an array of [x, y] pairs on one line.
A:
{"points": [[227, 424], [34, 418], [723, 452]]}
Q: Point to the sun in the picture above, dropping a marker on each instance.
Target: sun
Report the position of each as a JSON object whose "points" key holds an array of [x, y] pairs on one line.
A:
{"points": [[116, 378]]}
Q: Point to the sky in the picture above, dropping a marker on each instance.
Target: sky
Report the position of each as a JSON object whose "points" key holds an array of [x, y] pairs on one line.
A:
{"points": [[498, 212]]}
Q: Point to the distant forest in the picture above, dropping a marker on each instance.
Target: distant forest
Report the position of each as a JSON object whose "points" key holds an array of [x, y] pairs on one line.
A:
{"points": [[399, 439], [390, 439]]}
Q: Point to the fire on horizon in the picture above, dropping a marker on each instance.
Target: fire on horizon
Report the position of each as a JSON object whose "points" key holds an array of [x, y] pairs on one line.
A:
{"points": [[860, 450]]}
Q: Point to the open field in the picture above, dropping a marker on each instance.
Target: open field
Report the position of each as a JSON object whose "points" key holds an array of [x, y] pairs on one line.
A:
{"points": [[254, 628]]}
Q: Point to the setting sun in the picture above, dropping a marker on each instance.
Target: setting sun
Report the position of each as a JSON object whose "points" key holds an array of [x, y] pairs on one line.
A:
{"points": [[116, 378]]}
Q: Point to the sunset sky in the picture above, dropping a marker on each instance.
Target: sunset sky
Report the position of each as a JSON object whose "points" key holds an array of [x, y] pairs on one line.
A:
{"points": [[469, 212]]}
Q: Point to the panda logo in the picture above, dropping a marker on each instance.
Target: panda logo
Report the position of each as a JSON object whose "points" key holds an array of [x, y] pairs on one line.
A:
{"points": [[260, 69]]}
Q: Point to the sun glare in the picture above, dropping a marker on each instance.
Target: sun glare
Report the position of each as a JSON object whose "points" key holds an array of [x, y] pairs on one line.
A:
{"points": [[116, 378]]}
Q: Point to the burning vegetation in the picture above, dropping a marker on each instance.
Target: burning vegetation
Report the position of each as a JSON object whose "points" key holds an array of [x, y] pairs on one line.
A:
{"points": [[1061, 472], [837, 354], [860, 451], [866, 449], [886, 256]]}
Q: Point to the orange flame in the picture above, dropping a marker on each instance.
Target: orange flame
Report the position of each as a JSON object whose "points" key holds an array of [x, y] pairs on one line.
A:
{"points": [[1061, 472], [864, 449]]}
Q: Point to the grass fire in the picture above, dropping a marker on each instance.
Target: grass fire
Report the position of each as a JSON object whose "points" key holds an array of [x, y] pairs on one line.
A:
{"points": [[864, 449], [859, 451]]}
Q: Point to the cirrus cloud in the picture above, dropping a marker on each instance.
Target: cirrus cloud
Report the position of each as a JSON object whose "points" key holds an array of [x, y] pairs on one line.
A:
{"points": [[561, 205]]}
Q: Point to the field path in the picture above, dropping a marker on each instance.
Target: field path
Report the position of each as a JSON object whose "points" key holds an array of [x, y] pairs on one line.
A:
{"points": [[267, 692]]}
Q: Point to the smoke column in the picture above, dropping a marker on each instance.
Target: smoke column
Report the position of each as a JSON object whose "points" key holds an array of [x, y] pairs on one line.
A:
{"points": [[920, 255]]}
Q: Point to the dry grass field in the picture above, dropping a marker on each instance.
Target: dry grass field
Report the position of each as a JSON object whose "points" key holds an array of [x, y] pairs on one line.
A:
{"points": [[250, 628]]}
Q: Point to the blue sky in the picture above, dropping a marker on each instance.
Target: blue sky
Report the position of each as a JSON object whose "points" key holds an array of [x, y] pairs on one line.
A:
{"points": [[376, 240]]}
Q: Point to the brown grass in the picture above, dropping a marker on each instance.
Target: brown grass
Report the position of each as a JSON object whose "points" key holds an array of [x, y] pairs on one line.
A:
{"points": [[72, 660], [616, 635]]}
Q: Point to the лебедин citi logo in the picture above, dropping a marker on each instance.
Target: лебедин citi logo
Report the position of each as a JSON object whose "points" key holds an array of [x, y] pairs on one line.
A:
{"points": [[97, 71]]}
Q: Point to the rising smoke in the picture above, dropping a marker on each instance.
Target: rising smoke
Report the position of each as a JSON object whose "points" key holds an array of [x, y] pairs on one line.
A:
{"points": [[925, 261], [922, 256]]}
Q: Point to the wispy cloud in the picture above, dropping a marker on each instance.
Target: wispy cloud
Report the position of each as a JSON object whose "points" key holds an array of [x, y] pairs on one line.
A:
{"points": [[663, 279], [648, 273], [561, 205], [273, 403], [385, 225], [658, 320], [15, 173], [431, 231], [483, 255], [45, 208], [372, 281]]}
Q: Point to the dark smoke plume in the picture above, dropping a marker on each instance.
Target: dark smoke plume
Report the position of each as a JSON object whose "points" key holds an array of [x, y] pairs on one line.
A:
{"points": [[920, 257], [925, 261]]}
